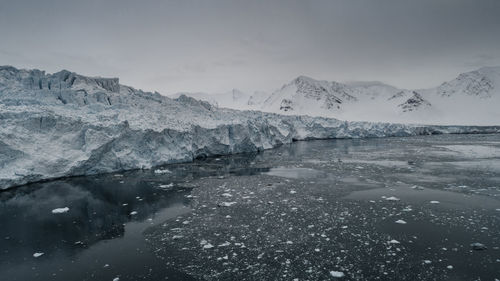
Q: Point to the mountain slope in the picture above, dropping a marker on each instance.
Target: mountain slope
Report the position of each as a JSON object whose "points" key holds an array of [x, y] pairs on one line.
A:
{"points": [[470, 99]]}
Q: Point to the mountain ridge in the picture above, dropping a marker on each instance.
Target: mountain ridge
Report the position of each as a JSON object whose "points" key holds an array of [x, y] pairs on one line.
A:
{"points": [[359, 100]]}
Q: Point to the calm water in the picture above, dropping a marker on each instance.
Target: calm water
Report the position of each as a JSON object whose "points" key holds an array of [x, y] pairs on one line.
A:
{"points": [[387, 209]]}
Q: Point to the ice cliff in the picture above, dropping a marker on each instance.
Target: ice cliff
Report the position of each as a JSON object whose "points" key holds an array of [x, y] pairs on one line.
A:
{"points": [[65, 124]]}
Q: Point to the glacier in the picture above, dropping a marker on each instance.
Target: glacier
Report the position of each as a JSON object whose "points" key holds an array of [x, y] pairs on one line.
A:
{"points": [[65, 124]]}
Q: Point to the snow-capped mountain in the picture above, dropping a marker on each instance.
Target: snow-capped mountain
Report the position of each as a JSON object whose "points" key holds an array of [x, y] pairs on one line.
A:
{"points": [[66, 124], [450, 103]]}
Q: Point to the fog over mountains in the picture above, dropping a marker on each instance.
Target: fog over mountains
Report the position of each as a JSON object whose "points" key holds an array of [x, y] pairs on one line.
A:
{"points": [[473, 98]]}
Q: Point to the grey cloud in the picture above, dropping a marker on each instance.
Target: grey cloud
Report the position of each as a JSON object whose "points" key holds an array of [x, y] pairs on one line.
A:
{"points": [[221, 44]]}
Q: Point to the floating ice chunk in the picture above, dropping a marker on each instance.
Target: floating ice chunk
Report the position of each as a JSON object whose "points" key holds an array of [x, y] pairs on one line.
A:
{"points": [[337, 274], [37, 255], [162, 171], [400, 221], [293, 191], [226, 195], [225, 244], [133, 213], [394, 241], [478, 246], [60, 210], [427, 262], [166, 185], [208, 246], [434, 202], [226, 204], [392, 198], [176, 237], [449, 267], [116, 279]]}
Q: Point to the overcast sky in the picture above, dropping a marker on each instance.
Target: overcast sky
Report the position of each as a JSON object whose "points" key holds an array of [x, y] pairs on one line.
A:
{"points": [[214, 46]]}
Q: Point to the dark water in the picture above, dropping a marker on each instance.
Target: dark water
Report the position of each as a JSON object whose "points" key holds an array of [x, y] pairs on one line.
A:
{"points": [[376, 209]]}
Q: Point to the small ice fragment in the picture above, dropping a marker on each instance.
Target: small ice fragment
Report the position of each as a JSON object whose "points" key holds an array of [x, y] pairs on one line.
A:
{"points": [[400, 222], [60, 210], [394, 241], [106, 265], [427, 262], [116, 279], [392, 198], [450, 267], [337, 274], [161, 171], [293, 191], [226, 204], [226, 195], [176, 237], [36, 255], [133, 213], [434, 202], [208, 246], [166, 185], [225, 244], [478, 246]]}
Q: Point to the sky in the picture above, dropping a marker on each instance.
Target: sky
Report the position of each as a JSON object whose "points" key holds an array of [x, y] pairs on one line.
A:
{"points": [[215, 46]]}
